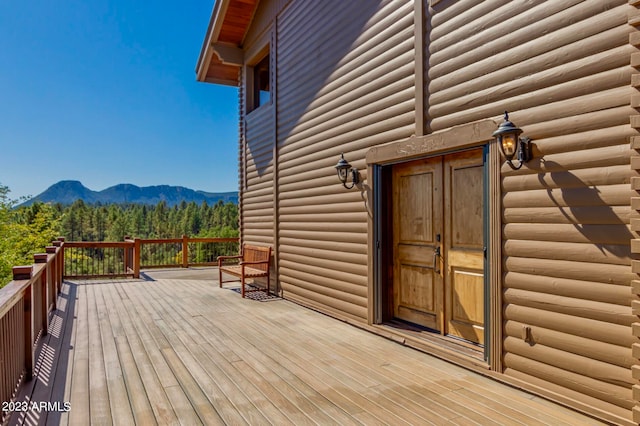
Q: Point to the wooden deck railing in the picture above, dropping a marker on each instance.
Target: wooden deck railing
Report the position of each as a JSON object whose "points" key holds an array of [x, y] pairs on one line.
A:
{"points": [[25, 304], [84, 259], [185, 252]]}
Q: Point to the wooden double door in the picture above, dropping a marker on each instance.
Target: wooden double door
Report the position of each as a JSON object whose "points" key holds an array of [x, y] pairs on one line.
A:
{"points": [[438, 244]]}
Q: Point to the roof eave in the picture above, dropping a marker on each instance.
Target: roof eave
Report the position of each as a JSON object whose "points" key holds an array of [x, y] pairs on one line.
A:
{"points": [[211, 37]]}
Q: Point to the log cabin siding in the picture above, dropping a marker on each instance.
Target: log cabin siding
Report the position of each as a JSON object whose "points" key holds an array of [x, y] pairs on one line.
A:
{"points": [[346, 74], [562, 71], [257, 200]]}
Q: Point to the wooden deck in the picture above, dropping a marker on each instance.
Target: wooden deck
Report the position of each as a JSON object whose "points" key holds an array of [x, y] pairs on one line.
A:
{"points": [[183, 351]]}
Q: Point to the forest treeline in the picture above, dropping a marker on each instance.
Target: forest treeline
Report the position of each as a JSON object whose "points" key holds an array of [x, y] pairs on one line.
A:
{"points": [[28, 230], [83, 222]]}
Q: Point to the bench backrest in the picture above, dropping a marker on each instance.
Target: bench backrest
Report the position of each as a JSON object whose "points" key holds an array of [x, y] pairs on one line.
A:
{"points": [[252, 253]]}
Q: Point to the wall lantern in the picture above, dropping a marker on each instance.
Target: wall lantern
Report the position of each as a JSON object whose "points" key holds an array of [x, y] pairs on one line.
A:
{"points": [[344, 170], [511, 144]]}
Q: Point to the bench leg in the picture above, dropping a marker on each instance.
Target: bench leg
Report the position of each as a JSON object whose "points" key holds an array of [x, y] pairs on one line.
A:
{"points": [[268, 281], [220, 276], [242, 284]]}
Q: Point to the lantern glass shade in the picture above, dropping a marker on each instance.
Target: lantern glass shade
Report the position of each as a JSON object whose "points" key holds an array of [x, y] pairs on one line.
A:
{"points": [[343, 168], [342, 175], [509, 143], [507, 137]]}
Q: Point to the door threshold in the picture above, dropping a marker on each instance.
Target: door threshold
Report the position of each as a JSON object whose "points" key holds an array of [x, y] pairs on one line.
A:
{"points": [[431, 341]]}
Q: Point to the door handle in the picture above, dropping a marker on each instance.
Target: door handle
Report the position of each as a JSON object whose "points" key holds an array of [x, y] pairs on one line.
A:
{"points": [[436, 260]]}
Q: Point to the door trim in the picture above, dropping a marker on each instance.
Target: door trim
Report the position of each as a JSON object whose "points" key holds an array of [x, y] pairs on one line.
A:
{"points": [[455, 139]]}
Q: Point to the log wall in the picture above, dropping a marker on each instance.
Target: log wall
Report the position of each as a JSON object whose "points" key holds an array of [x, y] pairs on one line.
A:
{"points": [[257, 200], [346, 84], [561, 69], [258, 128]]}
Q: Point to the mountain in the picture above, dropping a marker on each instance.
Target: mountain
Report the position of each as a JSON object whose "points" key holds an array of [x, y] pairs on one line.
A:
{"points": [[68, 191]]}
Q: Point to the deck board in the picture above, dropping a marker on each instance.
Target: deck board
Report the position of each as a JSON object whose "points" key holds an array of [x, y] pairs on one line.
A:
{"points": [[174, 351], [119, 399], [79, 365]]}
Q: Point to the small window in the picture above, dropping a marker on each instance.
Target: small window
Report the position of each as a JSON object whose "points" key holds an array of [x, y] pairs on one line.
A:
{"points": [[261, 83]]}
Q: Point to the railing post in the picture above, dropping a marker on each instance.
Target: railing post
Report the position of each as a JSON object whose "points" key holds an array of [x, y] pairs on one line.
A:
{"points": [[126, 253], [58, 244], [55, 273], [185, 251], [136, 257], [25, 273], [61, 261], [44, 282]]}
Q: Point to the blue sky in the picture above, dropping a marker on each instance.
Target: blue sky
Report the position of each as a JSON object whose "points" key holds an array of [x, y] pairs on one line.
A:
{"points": [[104, 92]]}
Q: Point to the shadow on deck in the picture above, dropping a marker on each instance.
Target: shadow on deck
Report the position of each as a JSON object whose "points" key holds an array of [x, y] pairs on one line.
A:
{"points": [[174, 348]]}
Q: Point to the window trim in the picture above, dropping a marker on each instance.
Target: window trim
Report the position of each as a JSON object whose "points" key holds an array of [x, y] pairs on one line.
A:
{"points": [[251, 90]]}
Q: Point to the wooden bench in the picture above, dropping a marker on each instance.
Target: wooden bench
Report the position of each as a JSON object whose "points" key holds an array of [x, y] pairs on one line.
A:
{"points": [[253, 263]]}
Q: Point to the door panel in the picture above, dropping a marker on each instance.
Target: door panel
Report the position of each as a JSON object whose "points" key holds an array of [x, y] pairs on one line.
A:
{"points": [[464, 245], [417, 213], [466, 318], [416, 197], [438, 244]]}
